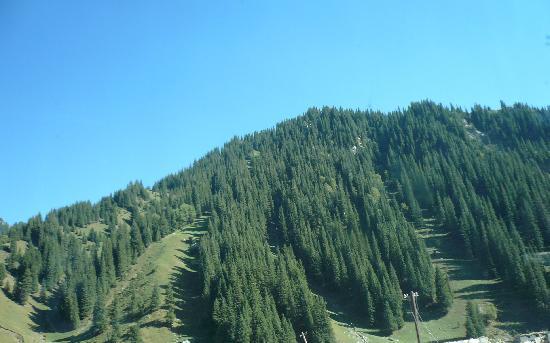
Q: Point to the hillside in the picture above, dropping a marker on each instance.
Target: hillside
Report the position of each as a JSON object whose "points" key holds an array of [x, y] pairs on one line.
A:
{"points": [[316, 226]]}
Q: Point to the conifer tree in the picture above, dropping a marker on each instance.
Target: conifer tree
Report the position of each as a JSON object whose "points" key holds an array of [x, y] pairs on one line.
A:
{"points": [[136, 242], [444, 296], [100, 314], [23, 286], [116, 333], [155, 298], [136, 301], [69, 305], [43, 295], [135, 335], [2, 273], [170, 305], [388, 322], [475, 327], [116, 319]]}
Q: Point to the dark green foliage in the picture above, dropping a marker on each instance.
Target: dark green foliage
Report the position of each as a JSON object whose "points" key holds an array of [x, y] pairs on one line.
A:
{"points": [[136, 301], [135, 335], [170, 305], [116, 311], [169, 297], [184, 215], [155, 301], [79, 214], [69, 305], [388, 322], [43, 295], [3, 226], [116, 319], [136, 242], [23, 286], [116, 333], [101, 316], [320, 185], [444, 296], [475, 326], [2, 273]]}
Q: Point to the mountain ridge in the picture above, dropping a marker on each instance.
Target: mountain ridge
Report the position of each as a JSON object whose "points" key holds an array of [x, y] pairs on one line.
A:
{"points": [[333, 197]]}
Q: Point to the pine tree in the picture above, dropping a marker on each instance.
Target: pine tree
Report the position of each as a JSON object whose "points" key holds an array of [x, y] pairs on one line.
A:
{"points": [[101, 316], [136, 301], [388, 322], [69, 306], [170, 316], [475, 326], [116, 311], [155, 298], [2, 273], [444, 296], [116, 333], [170, 305], [169, 296], [116, 318], [23, 286], [43, 295], [136, 242], [135, 335], [85, 299]]}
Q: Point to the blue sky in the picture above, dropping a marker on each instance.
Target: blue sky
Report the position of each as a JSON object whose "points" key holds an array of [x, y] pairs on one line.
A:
{"points": [[94, 94]]}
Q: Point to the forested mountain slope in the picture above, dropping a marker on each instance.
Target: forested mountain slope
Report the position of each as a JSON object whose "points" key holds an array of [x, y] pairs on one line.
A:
{"points": [[326, 202]]}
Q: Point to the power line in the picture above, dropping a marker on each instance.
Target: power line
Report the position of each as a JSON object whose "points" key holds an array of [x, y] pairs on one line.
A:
{"points": [[303, 336], [426, 328], [412, 296]]}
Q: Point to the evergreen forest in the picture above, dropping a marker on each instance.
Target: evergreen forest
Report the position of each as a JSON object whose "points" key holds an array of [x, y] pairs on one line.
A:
{"points": [[325, 205]]}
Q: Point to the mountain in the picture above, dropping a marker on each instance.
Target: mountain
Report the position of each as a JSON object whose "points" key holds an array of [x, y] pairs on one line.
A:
{"points": [[324, 221]]}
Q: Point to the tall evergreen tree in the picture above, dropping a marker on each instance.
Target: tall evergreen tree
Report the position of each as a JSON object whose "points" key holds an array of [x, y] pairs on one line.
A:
{"points": [[475, 327], [2, 273], [23, 286], [135, 335], [444, 296], [155, 301], [101, 317]]}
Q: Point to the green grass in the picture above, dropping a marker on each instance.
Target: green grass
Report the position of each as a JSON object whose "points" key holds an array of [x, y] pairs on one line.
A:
{"points": [[167, 257], [170, 263], [15, 318], [97, 227], [162, 263], [165, 262]]}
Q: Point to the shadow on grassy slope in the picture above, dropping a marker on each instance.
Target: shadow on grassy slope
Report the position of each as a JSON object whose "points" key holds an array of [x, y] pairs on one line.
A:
{"points": [[190, 309]]}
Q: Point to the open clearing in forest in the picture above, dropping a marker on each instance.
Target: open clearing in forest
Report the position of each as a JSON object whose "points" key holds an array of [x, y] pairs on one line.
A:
{"points": [[15, 321], [163, 263], [468, 283], [172, 263]]}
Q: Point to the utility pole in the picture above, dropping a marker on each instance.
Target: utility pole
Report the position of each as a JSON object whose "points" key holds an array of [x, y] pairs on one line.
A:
{"points": [[414, 309], [303, 335]]}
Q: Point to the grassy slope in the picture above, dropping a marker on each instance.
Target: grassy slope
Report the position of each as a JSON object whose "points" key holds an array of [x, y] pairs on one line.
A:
{"points": [[169, 261], [16, 320], [163, 263]]}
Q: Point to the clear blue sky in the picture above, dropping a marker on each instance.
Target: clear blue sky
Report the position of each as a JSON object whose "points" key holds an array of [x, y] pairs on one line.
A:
{"points": [[94, 94]]}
